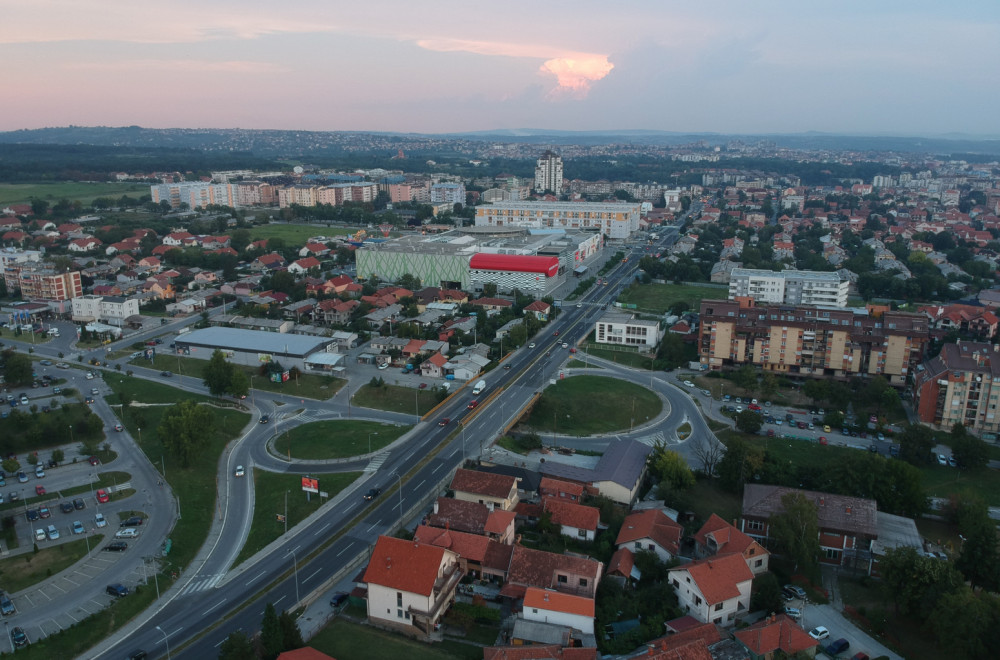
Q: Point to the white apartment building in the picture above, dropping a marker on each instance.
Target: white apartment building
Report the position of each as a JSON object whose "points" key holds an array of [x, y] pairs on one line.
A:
{"points": [[549, 173], [626, 329], [617, 220], [112, 310], [196, 194], [448, 193], [789, 287]]}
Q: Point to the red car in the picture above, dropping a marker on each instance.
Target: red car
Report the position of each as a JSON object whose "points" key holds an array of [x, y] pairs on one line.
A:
{"points": [[94, 460], [555, 334], [444, 421], [822, 440], [39, 490], [102, 496], [473, 404]]}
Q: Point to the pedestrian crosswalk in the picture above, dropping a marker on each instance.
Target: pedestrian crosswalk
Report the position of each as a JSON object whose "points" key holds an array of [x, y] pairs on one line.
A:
{"points": [[201, 584], [377, 462], [660, 437]]}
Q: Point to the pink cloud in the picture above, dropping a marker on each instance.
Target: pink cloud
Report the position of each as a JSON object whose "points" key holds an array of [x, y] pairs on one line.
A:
{"points": [[575, 74]]}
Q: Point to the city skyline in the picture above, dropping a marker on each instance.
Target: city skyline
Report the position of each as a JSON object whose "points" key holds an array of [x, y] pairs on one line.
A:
{"points": [[886, 68]]}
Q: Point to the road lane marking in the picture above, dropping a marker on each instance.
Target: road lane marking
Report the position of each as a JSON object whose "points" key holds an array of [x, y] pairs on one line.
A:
{"points": [[313, 575], [322, 529], [345, 549], [256, 577], [434, 471], [420, 484], [276, 603], [377, 523], [215, 607]]}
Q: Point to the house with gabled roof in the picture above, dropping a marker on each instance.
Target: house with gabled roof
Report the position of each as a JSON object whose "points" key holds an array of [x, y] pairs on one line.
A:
{"points": [[473, 518], [551, 606], [576, 521], [177, 238], [713, 590], [433, 366], [302, 266], [548, 570], [481, 556], [567, 490], [539, 652], [618, 473], [410, 584], [651, 530], [493, 490], [764, 638], [717, 537], [266, 262], [540, 309], [84, 244]]}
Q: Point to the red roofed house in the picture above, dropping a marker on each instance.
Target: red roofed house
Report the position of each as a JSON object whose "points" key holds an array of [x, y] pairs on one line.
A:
{"points": [[622, 564], [335, 311], [494, 490], [548, 606], [540, 309], [567, 490], [480, 556], [84, 244], [15, 236], [433, 367], [651, 530], [717, 537], [776, 633], [690, 643], [713, 590], [314, 249], [473, 518], [575, 520], [302, 266], [548, 570], [492, 304], [272, 261], [410, 585], [176, 239]]}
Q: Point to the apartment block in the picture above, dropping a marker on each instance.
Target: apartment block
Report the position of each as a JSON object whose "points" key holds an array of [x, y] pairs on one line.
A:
{"points": [[113, 310], [549, 173], [448, 193], [44, 284], [960, 386], [627, 330], [810, 341], [790, 287], [613, 220], [196, 194]]}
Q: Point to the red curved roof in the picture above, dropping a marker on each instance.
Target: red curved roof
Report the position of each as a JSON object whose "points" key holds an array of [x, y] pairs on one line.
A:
{"points": [[519, 263]]}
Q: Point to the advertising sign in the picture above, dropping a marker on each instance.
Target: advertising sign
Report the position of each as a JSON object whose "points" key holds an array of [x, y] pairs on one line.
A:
{"points": [[310, 485]]}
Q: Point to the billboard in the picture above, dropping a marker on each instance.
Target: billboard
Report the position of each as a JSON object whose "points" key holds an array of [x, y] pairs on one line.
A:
{"points": [[310, 485]]}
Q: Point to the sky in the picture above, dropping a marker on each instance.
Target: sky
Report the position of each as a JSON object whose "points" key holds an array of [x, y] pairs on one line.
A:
{"points": [[437, 66]]}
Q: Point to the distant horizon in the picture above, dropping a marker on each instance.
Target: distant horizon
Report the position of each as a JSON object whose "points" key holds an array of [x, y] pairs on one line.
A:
{"points": [[896, 67]]}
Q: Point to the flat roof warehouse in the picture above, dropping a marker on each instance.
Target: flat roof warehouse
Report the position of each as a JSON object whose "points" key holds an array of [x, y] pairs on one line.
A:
{"points": [[254, 341]]}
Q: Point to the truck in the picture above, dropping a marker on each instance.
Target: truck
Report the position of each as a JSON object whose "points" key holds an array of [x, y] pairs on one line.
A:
{"points": [[480, 386]]}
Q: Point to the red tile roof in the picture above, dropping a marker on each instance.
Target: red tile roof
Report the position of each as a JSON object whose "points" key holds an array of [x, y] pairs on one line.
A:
{"points": [[546, 599], [308, 262], [404, 565], [571, 514], [727, 538], [773, 633], [651, 524], [691, 644], [559, 488], [468, 546], [483, 483], [717, 577], [537, 568], [621, 563], [305, 653]]}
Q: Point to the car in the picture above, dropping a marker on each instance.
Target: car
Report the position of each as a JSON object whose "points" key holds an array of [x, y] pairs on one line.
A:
{"points": [[127, 533], [66, 507], [826, 428], [265, 419], [117, 590], [79, 504], [22, 477], [134, 521], [739, 409], [572, 350], [423, 386], [93, 460], [801, 425], [819, 632], [942, 460], [3, 481], [894, 451], [384, 365], [873, 449], [880, 436], [24, 400], [444, 421], [157, 341], [798, 591], [338, 599], [860, 655], [77, 527], [14, 496], [45, 363], [555, 334], [62, 365], [6, 605], [43, 512], [565, 345], [100, 521], [778, 422], [506, 366], [770, 433], [52, 532], [531, 345], [472, 404], [166, 374], [822, 412], [89, 399], [90, 375], [94, 391], [688, 383], [119, 428], [39, 490], [823, 440], [39, 472], [372, 494], [952, 462], [116, 546], [837, 647], [793, 612], [754, 407], [18, 637], [812, 427], [40, 535], [102, 496], [239, 471], [845, 431]]}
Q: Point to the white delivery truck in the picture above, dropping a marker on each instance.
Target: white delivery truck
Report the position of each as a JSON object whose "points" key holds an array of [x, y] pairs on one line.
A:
{"points": [[480, 386]]}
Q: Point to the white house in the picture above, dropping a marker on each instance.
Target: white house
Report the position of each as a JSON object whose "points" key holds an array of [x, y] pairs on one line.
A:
{"points": [[548, 606], [713, 590], [575, 520], [410, 585], [651, 530]]}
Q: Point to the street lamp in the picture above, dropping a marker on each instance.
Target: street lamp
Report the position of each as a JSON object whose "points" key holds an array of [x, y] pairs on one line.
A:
{"points": [[398, 476], [296, 564], [165, 641], [71, 440], [370, 440]]}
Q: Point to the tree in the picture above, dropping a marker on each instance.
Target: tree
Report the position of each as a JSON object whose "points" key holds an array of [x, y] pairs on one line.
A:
{"points": [[239, 383], [670, 468], [709, 454], [740, 463], [915, 444], [796, 530], [58, 455], [17, 368], [765, 594], [966, 620], [183, 429], [749, 421], [917, 582], [218, 374], [979, 560], [768, 385], [746, 377], [272, 638], [970, 452], [291, 636], [237, 647]]}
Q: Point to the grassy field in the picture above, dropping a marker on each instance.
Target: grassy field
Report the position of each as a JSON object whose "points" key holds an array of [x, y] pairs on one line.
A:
{"points": [[660, 297], [22, 571], [21, 193], [342, 639], [298, 234], [337, 439], [394, 398], [586, 405], [269, 501], [706, 498], [308, 386], [943, 480], [904, 635], [628, 358]]}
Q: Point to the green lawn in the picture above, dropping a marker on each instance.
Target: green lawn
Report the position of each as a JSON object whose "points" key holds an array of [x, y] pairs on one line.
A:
{"points": [[21, 193], [874, 612], [394, 398], [297, 234], [706, 498], [308, 386], [943, 480], [337, 439], [580, 364], [628, 358], [269, 500], [587, 405], [342, 639], [22, 571], [661, 297]]}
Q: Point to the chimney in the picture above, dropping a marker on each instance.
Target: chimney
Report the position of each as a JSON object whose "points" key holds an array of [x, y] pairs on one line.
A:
{"points": [[848, 510]]}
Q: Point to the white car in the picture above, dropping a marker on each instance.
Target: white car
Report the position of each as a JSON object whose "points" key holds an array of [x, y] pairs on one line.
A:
{"points": [[819, 632], [688, 383], [100, 521], [90, 375], [579, 304], [77, 527], [384, 365], [239, 471], [942, 460], [40, 535], [53, 532], [531, 345], [127, 533], [565, 345]]}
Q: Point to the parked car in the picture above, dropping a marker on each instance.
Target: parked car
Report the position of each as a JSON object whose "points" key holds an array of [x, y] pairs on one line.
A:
{"points": [[52, 532], [799, 592], [39, 490], [134, 521], [100, 521], [66, 507], [793, 612], [819, 632], [127, 533], [6, 605], [837, 647], [116, 546], [117, 590], [31, 515], [78, 527], [18, 637], [338, 599], [40, 535], [43, 512], [79, 504], [102, 496]]}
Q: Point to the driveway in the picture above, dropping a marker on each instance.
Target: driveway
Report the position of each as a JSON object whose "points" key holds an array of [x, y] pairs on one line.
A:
{"points": [[839, 626]]}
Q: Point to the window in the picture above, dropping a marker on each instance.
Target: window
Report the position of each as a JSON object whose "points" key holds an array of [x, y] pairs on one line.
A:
{"points": [[758, 563], [718, 606], [832, 554], [561, 579], [755, 525], [399, 614], [717, 620], [399, 599], [675, 583], [582, 533], [697, 600]]}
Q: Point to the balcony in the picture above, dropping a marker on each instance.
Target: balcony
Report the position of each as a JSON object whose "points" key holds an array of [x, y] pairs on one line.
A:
{"points": [[443, 595]]}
